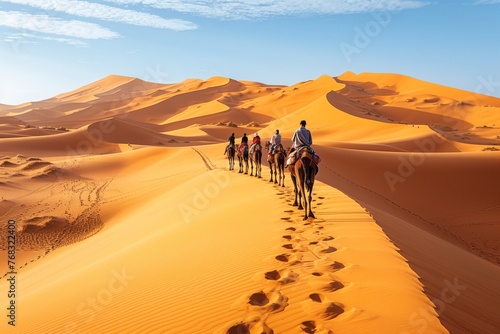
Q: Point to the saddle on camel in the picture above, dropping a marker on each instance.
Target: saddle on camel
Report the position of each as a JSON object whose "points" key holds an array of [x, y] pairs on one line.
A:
{"points": [[304, 151]]}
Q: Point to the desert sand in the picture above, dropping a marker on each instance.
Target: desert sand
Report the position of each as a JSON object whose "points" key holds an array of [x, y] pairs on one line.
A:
{"points": [[128, 219]]}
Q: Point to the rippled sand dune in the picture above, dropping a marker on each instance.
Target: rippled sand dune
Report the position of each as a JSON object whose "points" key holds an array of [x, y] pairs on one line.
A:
{"points": [[128, 219]]}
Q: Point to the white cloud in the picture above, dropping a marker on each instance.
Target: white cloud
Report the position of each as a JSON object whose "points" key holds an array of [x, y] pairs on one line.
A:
{"points": [[17, 39], [252, 9], [107, 13], [50, 25], [25, 38]]}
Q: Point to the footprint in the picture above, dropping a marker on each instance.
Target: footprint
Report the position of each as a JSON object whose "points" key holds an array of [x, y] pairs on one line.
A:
{"points": [[292, 259], [239, 329], [317, 297], [310, 327], [313, 243], [288, 211], [334, 286], [250, 326], [288, 246], [317, 273], [333, 310], [283, 277], [291, 229], [258, 299], [272, 275], [337, 266], [329, 250], [283, 257], [328, 238], [321, 197], [271, 302], [286, 218], [287, 237]]}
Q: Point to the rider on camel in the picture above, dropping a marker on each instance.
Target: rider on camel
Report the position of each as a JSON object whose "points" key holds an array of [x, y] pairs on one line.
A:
{"points": [[301, 138], [255, 142], [244, 143], [275, 141], [231, 141]]}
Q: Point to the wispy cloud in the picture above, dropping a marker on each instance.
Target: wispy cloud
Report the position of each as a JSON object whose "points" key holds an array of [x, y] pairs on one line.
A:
{"points": [[26, 38], [107, 13], [55, 26], [251, 9]]}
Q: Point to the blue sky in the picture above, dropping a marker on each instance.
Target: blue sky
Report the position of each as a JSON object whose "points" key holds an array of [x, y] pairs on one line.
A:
{"points": [[52, 46]]}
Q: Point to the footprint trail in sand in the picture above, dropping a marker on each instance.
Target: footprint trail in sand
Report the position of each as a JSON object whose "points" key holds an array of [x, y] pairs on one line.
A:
{"points": [[300, 280]]}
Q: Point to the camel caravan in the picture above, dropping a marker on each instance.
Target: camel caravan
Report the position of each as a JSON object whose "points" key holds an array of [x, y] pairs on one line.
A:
{"points": [[300, 160]]}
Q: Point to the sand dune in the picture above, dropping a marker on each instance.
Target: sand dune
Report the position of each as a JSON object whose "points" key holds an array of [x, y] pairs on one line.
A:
{"points": [[128, 220], [315, 262], [5, 106]]}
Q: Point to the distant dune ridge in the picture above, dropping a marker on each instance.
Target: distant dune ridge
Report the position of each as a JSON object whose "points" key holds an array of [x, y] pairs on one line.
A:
{"points": [[128, 220]]}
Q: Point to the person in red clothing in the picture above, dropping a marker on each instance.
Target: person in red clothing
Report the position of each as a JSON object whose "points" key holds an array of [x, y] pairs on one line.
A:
{"points": [[256, 138], [255, 143]]}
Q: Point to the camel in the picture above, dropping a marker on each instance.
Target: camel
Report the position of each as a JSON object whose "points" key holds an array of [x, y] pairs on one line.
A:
{"points": [[230, 156], [303, 173], [242, 158], [256, 159], [277, 164]]}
